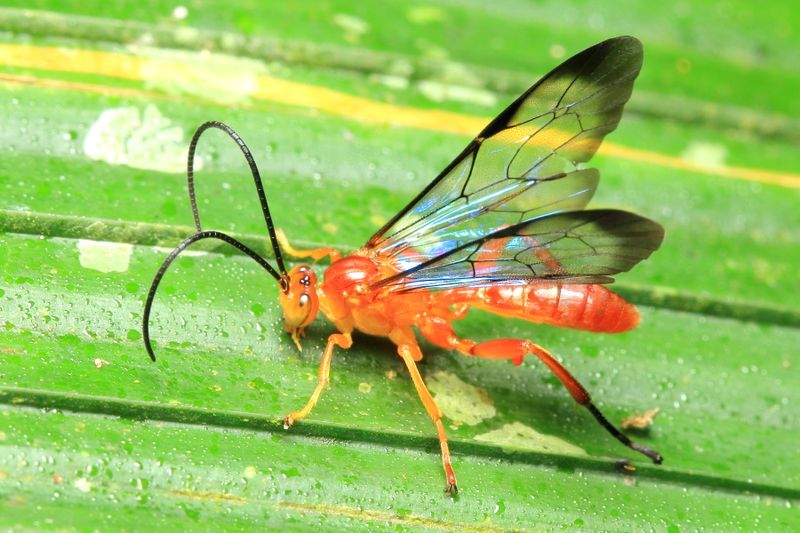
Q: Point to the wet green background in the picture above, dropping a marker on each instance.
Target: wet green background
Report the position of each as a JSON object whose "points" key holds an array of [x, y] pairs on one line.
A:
{"points": [[93, 435]]}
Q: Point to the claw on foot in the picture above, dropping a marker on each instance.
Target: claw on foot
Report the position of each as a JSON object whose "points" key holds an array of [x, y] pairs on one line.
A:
{"points": [[451, 489], [288, 422]]}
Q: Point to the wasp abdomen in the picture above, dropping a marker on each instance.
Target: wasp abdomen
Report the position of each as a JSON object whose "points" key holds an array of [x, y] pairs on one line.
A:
{"points": [[580, 306]]}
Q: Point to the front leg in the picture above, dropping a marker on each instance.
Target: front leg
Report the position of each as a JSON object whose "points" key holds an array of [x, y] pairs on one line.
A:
{"points": [[343, 340], [315, 254]]}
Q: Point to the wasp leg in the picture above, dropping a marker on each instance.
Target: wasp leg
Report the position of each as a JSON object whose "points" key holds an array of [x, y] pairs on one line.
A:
{"points": [[315, 254], [343, 340], [440, 333], [409, 351]]}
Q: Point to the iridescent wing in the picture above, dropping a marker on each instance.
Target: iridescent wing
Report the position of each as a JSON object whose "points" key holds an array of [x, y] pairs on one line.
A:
{"points": [[524, 164], [576, 246]]}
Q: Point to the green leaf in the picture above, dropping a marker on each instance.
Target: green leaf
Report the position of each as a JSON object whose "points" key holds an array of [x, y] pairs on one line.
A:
{"points": [[350, 110]]}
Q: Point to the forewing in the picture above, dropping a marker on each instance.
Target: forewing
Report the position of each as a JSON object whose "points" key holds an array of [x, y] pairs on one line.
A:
{"points": [[524, 164], [576, 247]]}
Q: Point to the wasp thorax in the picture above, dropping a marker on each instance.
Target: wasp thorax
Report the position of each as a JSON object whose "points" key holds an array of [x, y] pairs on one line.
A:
{"points": [[299, 301]]}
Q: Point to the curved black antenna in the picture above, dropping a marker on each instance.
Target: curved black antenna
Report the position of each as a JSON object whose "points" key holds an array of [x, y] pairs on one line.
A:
{"points": [[171, 257], [281, 278], [256, 178]]}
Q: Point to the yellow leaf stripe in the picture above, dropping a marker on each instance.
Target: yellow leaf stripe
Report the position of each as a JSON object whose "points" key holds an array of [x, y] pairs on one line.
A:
{"points": [[277, 90]]}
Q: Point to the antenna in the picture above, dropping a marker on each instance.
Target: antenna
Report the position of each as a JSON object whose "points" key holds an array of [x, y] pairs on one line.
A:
{"points": [[256, 178], [281, 277]]}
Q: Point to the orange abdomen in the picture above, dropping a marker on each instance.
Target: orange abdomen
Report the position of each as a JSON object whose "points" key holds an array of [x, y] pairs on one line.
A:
{"points": [[585, 307]]}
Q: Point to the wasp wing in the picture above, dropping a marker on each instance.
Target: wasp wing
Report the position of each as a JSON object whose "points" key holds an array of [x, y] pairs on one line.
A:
{"points": [[576, 247], [524, 164]]}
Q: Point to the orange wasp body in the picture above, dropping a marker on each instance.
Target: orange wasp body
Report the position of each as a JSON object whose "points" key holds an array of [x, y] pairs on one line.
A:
{"points": [[502, 229]]}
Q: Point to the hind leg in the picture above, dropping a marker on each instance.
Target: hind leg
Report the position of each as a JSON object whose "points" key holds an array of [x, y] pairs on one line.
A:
{"points": [[440, 333]]}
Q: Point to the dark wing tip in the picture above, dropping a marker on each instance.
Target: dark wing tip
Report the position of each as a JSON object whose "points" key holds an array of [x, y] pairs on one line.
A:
{"points": [[631, 227], [624, 50], [627, 41], [625, 46], [622, 55]]}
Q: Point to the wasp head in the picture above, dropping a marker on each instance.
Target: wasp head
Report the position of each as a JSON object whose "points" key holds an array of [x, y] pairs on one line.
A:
{"points": [[299, 301]]}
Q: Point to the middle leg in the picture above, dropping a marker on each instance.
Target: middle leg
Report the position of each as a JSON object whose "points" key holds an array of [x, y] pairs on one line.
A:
{"points": [[409, 351]]}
